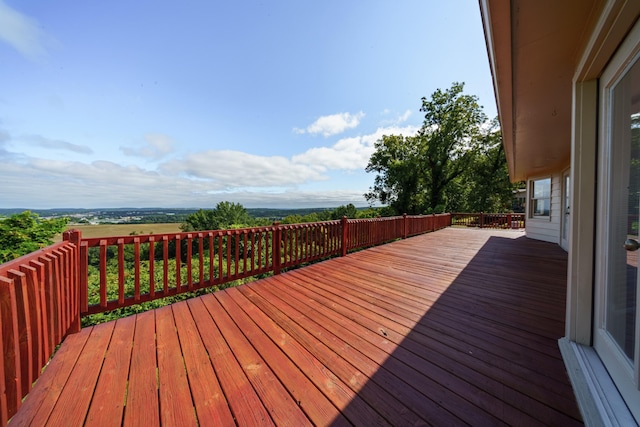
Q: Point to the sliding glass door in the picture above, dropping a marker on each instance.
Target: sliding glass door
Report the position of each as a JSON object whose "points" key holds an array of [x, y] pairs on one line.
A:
{"points": [[616, 300]]}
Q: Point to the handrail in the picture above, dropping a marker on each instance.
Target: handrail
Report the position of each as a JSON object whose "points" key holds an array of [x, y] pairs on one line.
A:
{"points": [[38, 308], [128, 270], [152, 266], [489, 220]]}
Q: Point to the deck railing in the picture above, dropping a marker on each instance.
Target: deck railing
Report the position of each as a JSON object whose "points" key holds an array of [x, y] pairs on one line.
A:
{"points": [[39, 306], [117, 272], [488, 220], [44, 294]]}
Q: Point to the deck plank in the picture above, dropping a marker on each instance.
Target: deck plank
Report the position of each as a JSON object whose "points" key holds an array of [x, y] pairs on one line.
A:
{"points": [[321, 375], [245, 404], [107, 405], [176, 405], [211, 405], [375, 396], [375, 344], [39, 403], [409, 399], [72, 405], [396, 304], [315, 405], [423, 331], [438, 363], [277, 400], [142, 407]]}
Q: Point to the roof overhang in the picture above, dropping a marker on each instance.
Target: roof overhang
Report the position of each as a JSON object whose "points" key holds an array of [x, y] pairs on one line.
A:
{"points": [[533, 48]]}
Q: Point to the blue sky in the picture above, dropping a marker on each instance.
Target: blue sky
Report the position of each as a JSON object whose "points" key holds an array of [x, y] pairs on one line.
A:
{"points": [[185, 104]]}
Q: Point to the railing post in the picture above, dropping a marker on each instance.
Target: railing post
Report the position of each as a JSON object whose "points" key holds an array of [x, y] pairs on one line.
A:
{"points": [[277, 247], [509, 221], [405, 226], [75, 237], [345, 235], [481, 219]]}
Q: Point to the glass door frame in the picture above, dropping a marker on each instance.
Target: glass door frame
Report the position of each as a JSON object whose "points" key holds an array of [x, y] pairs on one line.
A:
{"points": [[626, 376]]}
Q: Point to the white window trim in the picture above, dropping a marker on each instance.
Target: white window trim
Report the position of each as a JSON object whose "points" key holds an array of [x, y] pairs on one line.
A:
{"points": [[530, 199]]}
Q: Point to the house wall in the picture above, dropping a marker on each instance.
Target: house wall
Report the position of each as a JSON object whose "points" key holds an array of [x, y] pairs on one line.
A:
{"points": [[546, 229]]}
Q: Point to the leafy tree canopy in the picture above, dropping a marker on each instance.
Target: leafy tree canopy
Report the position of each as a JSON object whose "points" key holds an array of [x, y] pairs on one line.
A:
{"points": [[454, 163], [488, 187], [350, 211], [225, 215], [26, 232]]}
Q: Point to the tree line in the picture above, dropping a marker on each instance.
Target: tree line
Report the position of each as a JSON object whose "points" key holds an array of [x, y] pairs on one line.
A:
{"points": [[230, 215]]}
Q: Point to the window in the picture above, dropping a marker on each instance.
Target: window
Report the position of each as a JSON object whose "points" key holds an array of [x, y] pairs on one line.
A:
{"points": [[540, 198]]}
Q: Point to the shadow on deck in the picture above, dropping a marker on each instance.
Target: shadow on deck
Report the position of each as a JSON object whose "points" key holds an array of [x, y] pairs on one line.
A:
{"points": [[449, 328]]}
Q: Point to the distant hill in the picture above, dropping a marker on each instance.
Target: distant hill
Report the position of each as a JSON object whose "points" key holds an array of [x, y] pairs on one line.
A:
{"points": [[141, 215]]}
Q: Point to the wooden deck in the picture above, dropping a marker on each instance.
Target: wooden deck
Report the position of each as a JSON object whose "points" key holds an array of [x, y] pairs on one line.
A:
{"points": [[449, 328]]}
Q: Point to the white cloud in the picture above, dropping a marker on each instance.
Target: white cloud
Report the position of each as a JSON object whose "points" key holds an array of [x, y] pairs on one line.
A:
{"points": [[21, 32], [39, 183], [198, 180], [237, 169], [349, 153], [64, 183], [55, 144], [397, 120], [155, 147], [404, 117], [332, 124]]}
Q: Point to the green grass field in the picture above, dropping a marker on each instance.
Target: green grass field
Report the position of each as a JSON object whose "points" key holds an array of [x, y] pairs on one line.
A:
{"points": [[110, 230]]}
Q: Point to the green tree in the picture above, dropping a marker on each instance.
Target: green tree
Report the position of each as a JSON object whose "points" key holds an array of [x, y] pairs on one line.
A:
{"points": [[204, 219], [397, 182], [369, 213], [350, 211], [26, 232], [450, 131], [487, 178], [225, 215], [418, 174], [293, 219]]}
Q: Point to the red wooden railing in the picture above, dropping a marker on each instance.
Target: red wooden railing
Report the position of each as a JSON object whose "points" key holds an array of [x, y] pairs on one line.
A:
{"points": [[303, 243], [488, 220], [44, 294], [39, 306], [150, 267], [147, 267], [371, 232]]}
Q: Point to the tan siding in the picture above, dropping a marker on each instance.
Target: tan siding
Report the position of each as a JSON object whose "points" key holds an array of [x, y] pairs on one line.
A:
{"points": [[548, 229]]}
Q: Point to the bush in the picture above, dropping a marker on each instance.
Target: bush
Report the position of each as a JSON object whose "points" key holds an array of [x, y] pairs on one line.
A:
{"points": [[26, 232]]}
